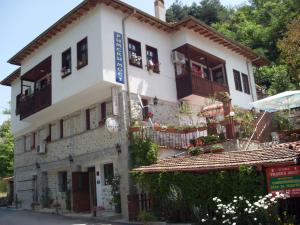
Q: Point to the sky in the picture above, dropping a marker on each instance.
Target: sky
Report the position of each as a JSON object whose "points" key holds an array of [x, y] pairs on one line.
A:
{"points": [[21, 21]]}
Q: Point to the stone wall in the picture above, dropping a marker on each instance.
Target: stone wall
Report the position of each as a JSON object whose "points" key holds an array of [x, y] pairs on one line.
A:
{"points": [[87, 148]]}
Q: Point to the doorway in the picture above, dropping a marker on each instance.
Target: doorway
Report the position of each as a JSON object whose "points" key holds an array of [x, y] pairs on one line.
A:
{"points": [[81, 192]]}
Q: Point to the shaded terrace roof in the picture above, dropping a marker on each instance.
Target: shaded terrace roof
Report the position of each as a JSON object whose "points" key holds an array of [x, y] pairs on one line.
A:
{"points": [[276, 155]]}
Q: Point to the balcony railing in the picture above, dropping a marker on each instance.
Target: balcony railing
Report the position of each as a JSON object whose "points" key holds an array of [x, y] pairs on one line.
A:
{"points": [[35, 102], [193, 84]]}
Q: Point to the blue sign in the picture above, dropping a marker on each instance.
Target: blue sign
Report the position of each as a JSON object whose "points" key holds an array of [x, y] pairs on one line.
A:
{"points": [[119, 61]]}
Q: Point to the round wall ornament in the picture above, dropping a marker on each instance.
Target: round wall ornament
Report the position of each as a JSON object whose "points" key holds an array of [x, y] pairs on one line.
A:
{"points": [[112, 125]]}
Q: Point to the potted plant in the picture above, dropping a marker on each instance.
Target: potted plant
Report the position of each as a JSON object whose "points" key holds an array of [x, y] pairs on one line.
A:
{"points": [[193, 151], [34, 205], [148, 218], [216, 148], [115, 192], [135, 127]]}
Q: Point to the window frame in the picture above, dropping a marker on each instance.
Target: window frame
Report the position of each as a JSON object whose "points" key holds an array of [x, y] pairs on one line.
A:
{"points": [[138, 52], [80, 54], [145, 110], [108, 168], [154, 58], [61, 128], [64, 54], [237, 80], [246, 83], [62, 181]]}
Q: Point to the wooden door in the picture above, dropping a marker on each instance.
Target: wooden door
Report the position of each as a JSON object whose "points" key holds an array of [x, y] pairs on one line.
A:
{"points": [[80, 191]]}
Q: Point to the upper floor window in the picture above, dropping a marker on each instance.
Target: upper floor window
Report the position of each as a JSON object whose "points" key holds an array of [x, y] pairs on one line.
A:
{"points": [[237, 80], [152, 59], [66, 63], [218, 75], [87, 119], [246, 83], [135, 53], [82, 53]]}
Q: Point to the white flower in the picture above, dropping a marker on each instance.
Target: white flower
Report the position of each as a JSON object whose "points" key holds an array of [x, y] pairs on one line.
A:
{"points": [[233, 223], [254, 218], [203, 220], [214, 218], [234, 200]]}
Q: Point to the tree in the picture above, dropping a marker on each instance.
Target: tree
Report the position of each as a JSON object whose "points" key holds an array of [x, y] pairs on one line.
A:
{"points": [[208, 11], [289, 46], [6, 150], [274, 78], [7, 111]]}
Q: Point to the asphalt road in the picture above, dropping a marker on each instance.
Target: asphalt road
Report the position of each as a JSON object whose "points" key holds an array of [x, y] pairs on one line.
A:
{"points": [[13, 217]]}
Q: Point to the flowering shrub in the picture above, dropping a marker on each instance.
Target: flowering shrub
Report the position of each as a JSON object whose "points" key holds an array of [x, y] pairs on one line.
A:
{"points": [[241, 211]]}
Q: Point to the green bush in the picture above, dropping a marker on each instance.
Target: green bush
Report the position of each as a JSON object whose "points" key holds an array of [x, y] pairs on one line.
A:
{"points": [[46, 199], [195, 151], [143, 152], [146, 216], [3, 186]]}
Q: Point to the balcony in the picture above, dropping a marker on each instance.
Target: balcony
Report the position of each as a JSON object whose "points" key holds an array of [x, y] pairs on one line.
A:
{"points": [[198, 73], [36, 91], [35, 102]]}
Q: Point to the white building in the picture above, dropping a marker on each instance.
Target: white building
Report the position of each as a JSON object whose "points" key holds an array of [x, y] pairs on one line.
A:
{"points": [[91, 65]]}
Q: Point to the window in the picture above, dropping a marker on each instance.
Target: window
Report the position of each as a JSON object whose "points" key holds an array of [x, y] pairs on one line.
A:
{"points": [[66, 63], [62, 181], [237, 80], [108, 173], [135, 53], [87, 119], [145, 109], [49, 138], [246, 83], [32, 140], [152, 59], [103, 112], [61, 123], [82, 53], [218, 75], [18, 99]]}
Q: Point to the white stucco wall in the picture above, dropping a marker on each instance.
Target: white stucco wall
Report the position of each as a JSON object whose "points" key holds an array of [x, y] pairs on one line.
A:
{"points": [[141, 81], [232, 59], [92, 82]]}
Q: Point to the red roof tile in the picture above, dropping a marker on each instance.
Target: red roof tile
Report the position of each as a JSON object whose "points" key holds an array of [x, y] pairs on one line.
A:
{"points": [[279, 154]]}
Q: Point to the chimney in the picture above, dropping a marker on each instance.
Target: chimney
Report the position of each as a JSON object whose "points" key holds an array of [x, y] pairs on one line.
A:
{"points": [[160, 11]]}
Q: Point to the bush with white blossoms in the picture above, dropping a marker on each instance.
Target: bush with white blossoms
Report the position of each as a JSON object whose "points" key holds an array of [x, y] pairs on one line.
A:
{"points": [[241, 211]]}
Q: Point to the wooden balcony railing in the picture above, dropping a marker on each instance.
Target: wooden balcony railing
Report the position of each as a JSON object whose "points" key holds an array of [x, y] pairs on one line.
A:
{"points": [[170, 138], [193, 84], [39, 100]]}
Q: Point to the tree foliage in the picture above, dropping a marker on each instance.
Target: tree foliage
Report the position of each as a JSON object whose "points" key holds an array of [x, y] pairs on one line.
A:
{"points": [[6, 150], [208, 11], [289, 46]]}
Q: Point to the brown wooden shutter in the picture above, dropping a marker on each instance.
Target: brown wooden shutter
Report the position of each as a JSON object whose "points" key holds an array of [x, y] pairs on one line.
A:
{"points": [[87, 119], [103, 111]]}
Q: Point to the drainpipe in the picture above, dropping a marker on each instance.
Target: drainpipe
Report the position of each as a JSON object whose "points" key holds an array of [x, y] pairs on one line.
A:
{"points": [[248, 70], [126, 63]]}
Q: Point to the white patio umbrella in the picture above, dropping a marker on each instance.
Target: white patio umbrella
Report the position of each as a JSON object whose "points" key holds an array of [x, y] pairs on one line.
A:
{"points": [[282, 101]]}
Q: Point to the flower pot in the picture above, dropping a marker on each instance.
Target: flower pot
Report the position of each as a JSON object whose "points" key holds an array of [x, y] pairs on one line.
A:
{"points": [[134, 129]]}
